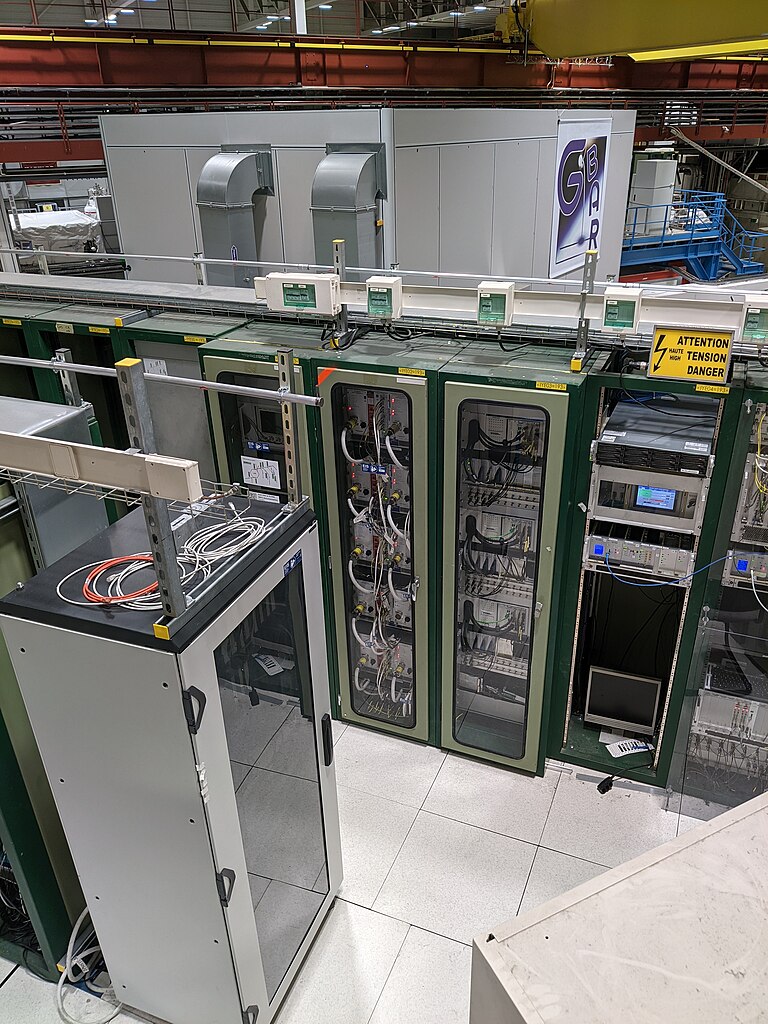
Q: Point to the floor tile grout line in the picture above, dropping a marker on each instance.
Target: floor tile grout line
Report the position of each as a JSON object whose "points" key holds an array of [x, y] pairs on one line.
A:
{"points": [[399, 851], [10, 974], [432, 783], [549, 811], [481, 828], [584, 860], [527, 880], [401, 920], [389, 973]]}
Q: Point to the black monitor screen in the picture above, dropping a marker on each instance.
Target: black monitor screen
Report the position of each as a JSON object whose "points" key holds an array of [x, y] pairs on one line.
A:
{"points": [[269, 421], [622, 700]]}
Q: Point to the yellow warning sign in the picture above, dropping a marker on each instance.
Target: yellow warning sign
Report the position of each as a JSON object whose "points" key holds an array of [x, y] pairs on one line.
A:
{"points": [[680, 353]]}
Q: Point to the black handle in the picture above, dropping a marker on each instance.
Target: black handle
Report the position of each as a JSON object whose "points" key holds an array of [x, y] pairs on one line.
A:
{"points": [[225, 882], [327, 730], [193, 717]]}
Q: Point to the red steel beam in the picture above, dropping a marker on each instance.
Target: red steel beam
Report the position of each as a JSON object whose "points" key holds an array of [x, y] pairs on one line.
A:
{"points": [[71, 58], [51, 151], [62, 59]]}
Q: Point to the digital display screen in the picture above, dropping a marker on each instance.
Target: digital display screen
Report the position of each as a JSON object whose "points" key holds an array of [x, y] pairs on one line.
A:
{"points": [[269, 421], [626, 701], [660, 498]]}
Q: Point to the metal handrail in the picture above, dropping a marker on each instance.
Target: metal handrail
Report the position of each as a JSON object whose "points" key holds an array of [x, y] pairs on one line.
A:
{"points": [[161, 378]]}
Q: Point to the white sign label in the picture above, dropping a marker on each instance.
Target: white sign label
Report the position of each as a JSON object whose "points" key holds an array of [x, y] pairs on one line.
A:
{"points": [[261, 472], [578, 210], [156, 366], [65, 328]]}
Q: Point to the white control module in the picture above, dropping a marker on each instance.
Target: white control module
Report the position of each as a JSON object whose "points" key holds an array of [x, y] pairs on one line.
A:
{"points": [[495, 302], [621, 308], [304, 293], [385, 297]]}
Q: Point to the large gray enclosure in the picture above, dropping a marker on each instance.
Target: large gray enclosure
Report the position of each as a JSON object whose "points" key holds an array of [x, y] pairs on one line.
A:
{"points": [[468, 190]]}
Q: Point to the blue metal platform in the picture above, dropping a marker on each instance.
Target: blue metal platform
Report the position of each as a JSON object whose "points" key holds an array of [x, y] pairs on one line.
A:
{"points": [[697, 229]]}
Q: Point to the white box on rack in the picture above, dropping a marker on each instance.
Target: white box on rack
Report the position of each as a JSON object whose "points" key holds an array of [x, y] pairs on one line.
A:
{"points": [[304, 293]]}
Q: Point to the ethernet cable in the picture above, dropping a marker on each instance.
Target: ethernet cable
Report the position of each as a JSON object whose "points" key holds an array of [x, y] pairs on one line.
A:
{"points": [[754, 590], [664, 583]]}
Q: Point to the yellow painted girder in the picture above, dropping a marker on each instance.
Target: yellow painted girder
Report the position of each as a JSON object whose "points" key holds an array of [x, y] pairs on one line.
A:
{"points": [[594, 28]]}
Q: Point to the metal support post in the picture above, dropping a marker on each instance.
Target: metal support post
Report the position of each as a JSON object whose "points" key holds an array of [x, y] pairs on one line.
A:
{"points": [[68, 379], [340, 267], [200, 268], [582, 331], [42, 262], [141, 436], [290, 437]]}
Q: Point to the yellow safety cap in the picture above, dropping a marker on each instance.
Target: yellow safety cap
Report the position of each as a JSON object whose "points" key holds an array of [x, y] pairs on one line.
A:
{"points": [[161, 632], [576, 364], [118, 321], [128, 362]]}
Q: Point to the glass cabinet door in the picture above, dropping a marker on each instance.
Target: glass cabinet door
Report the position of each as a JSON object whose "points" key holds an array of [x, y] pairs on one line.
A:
{"points": [[499, 486], [500, 532], [265, 684]]}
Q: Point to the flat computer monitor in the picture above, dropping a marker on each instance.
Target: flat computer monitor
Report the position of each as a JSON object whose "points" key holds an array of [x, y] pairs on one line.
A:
{"points": [[622, 701]]}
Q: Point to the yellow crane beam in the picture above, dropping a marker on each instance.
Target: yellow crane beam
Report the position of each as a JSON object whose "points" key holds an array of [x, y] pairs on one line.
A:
{"points": [[647, 29]]}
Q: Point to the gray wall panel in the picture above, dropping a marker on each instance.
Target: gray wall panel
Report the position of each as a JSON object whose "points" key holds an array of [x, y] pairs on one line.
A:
{"points": [[154, 209], [466, 207], [514, 223], [417, 177], [296, 169]]}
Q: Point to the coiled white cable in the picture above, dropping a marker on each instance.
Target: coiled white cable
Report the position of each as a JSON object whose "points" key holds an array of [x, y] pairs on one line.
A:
{"points": [[392, 455], [361, 640], [362, 587], [70, 963], [400, 533], [197, 558], [344, 448]]}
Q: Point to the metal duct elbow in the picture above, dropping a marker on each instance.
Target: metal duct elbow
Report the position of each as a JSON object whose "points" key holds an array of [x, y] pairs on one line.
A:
{"points": [[231, 196]]}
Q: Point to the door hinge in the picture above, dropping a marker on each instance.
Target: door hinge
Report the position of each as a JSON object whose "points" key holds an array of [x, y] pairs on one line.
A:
{"points": [[225, 883], [250, 1015], [414, 587], [538, 609], [193, 715]]}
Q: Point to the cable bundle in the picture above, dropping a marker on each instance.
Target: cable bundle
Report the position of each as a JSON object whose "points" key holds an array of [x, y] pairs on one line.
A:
{"points": [[105, 582]]}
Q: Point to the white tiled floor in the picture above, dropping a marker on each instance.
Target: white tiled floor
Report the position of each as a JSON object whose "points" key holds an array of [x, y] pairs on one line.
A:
{"points": [[437, 849]]}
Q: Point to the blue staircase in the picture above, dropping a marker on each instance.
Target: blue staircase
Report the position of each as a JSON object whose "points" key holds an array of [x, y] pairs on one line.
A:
{"points": [[697, 229]]}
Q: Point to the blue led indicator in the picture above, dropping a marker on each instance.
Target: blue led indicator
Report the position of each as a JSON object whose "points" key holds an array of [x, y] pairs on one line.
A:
{"points": [[742, 565], [599, 549]]}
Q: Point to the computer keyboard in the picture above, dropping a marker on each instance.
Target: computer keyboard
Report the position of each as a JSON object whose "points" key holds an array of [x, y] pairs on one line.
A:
{"points": [[722, 679], [728, 680]]}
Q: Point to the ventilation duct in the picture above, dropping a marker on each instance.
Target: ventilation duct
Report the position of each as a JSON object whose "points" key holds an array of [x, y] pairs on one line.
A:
{"points": [[231, 199], [345, 192]]}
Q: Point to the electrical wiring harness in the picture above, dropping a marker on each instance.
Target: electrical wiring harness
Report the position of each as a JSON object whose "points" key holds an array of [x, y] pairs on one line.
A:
{"points": [[373, 450]]}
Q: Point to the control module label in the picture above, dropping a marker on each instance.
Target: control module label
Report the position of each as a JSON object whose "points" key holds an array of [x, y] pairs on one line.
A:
{"points": [[680, 353]]}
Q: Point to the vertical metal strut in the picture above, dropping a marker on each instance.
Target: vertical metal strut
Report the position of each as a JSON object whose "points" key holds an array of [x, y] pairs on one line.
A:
{"points": [[141, 435]]}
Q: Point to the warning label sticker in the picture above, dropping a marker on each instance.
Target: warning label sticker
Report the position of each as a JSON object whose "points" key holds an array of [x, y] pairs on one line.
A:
{"points": [[680, 353]]}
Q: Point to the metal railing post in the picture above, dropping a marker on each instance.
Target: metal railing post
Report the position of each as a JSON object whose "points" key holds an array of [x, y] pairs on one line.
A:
{"points": [[141, 435], [290, 437], [68, 379]]}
